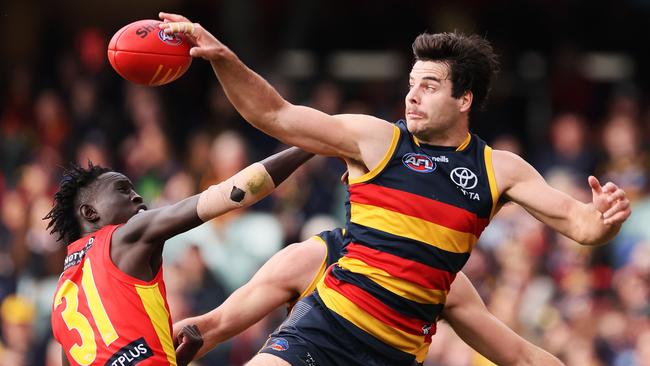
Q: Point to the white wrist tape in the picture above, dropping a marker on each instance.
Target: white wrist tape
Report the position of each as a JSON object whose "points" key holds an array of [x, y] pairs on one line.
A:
{"points": [[241, 190]]}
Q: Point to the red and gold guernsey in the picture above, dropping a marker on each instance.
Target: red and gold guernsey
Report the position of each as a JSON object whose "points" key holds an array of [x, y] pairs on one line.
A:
{"points": [[413, 221], [102, 316]]}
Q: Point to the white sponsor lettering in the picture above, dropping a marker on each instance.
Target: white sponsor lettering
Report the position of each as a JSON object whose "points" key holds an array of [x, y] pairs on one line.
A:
{"points": [[472, 195]]}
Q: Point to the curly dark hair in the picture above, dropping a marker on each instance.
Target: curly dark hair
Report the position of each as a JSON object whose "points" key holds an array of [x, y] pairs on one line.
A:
{"points": [[471, 60], [63, 219]]}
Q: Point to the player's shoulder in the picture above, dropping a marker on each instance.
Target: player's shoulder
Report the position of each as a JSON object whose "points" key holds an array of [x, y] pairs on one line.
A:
{"points": [[509, 162], [510, 168]]}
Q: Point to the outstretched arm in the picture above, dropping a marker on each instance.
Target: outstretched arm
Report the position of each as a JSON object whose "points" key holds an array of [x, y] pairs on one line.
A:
{"points": [[241, 190], [280, 280], [592, 223], [137, 240], [471, 320], [353, 137]]}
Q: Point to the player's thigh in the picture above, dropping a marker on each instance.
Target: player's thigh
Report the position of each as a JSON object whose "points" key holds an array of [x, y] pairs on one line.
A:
{"points": [[265, 359]]}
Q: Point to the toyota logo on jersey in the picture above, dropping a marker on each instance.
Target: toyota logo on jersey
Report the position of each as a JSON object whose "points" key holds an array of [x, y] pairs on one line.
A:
{"points": [[464, 178], [419, 163]]}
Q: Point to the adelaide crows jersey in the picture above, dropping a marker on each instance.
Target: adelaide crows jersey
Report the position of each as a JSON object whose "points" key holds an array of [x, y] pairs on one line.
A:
{"points": [[102, 316], [414, 220]]}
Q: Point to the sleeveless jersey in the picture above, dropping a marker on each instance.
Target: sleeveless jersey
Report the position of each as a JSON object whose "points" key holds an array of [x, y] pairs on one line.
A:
{"points": [[102, 316], [413, 222]]}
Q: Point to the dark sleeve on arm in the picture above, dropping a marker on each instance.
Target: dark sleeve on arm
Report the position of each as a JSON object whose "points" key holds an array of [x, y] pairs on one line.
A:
{"points": [[282, 164]]}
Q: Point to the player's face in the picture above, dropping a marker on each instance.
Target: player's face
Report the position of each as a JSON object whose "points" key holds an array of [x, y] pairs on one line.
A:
{"points": [[116, 201], [430, 108]]}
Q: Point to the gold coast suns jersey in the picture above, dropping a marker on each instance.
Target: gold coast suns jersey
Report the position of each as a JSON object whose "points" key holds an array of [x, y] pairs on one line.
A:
{"points": [[413, 221], [102, 316]]}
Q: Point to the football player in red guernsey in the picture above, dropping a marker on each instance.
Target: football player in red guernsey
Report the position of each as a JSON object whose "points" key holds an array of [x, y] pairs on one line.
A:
{"points": [[110, 305]]}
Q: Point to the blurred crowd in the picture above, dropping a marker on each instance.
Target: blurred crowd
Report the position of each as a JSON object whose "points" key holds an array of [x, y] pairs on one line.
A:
{"points": [[588, 306]]}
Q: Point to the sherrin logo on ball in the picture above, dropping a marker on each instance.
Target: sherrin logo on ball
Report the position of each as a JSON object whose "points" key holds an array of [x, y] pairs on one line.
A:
{"points": [[419, 162], [143, 54]]}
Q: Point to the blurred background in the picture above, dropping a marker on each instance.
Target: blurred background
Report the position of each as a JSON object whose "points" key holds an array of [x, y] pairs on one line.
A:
{"points": [[571, 99]]}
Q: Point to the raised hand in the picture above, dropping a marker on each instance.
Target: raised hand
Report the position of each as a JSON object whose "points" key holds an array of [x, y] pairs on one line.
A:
{"points": [[206, 45], [611, 201], [189, 343]]}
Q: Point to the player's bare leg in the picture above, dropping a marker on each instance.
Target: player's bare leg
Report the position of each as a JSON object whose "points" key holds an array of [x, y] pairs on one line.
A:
{"points": [[265, 359]]}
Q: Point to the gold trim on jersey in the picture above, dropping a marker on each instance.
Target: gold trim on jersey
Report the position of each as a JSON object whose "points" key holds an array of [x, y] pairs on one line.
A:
{"points": [[492, 180], [384, 161], [406, 342], [412, 227], [465, 143], [154, 304], [460, 147], [398, 286]]}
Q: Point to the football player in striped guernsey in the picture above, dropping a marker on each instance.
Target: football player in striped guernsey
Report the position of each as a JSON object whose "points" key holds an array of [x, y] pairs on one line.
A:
{"points": [[421, 192]]}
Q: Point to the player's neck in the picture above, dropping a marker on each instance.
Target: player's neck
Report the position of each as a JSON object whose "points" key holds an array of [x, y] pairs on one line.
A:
{"points": [[87, 229], [453, 137]]}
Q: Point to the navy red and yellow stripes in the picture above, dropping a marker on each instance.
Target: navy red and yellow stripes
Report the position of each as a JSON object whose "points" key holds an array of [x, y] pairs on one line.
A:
{"points": [[408, 248], [375, 318], [409, 233], [405, 269], [425, 311], [436, 212]]}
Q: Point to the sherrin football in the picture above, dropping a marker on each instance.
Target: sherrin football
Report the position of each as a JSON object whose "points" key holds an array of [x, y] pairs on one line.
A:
{"points": [[143, 54]]}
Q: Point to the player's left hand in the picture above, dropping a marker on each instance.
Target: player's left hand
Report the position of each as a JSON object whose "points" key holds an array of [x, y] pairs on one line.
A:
{"points": [[611, 201], [206, 45], [189, 343]]}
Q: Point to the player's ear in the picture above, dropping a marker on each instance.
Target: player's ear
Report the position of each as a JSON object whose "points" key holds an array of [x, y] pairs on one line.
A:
{"points": [[88, 213], [465, 101]]}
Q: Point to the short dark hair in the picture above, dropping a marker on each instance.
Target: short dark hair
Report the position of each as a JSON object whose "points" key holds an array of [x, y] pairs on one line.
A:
{"points": [[63, 219], [471, 60]]}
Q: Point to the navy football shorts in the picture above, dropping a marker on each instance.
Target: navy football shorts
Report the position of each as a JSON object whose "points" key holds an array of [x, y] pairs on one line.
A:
{"points": [[310, 336]]}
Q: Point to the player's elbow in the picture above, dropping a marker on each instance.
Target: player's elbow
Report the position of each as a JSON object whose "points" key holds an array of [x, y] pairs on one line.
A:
{"points": [[269, 118]]}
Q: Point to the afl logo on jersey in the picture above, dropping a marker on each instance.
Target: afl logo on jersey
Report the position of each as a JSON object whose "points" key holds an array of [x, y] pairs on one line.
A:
{"points": [[419, 163], [464, 178]]}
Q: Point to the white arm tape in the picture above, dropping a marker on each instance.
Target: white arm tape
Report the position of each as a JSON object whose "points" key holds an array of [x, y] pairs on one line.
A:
{"points": [[241, 190]]}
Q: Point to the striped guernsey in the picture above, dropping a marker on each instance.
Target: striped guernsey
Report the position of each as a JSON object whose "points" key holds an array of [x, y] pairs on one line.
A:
{"points": [[413, 221]]}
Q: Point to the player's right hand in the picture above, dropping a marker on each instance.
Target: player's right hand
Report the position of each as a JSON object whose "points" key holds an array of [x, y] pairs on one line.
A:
{"points": [[189, 342], [206, 45]]}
